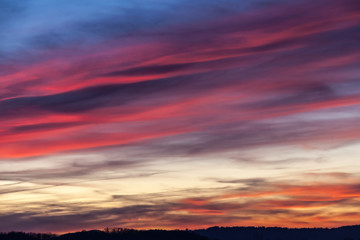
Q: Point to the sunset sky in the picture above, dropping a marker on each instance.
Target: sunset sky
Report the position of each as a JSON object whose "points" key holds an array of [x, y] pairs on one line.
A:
{"points": [[179, 114]]}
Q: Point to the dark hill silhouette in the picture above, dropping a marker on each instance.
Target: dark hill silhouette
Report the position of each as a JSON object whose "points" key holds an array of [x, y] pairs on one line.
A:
{"points": [[277, 233], [26, 236], [213, 233], [129, 234], [115, 234]]}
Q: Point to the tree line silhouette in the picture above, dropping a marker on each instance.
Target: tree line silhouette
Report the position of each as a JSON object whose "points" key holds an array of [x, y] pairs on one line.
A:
{"points": [[213, 233], [278, 233], [108, 234]]}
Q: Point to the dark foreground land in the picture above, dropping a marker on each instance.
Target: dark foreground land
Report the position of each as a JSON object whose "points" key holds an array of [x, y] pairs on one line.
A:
{"points": [[214, 233]]}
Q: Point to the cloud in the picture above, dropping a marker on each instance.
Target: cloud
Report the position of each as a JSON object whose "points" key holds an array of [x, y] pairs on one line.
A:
{"points": [[43, 126], [310, 93], [252, 182], [95, 97], [303, 203], [149, 70]]}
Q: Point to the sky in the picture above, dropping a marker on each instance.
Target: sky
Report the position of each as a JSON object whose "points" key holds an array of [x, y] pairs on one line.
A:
{"points": [[179, 114]]}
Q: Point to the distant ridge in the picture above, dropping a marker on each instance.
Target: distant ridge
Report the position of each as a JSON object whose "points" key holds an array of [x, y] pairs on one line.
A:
{"points": [[212, 233], [281, 233], [114, 234]]}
